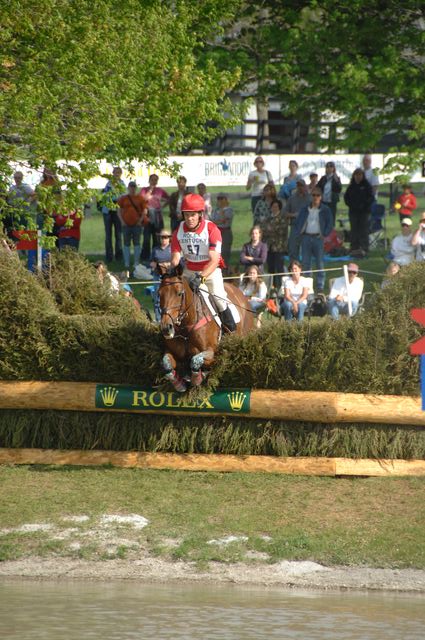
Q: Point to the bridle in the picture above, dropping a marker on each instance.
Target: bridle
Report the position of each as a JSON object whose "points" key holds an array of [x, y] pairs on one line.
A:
{"points": [[182, 308]]}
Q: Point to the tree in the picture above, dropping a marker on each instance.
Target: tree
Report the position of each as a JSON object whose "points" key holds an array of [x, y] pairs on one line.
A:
{"points": [[358, 61], [82, 80]]}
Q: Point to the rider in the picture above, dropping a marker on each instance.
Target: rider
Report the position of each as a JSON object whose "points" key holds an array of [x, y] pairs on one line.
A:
{"points": [[199, 241]]}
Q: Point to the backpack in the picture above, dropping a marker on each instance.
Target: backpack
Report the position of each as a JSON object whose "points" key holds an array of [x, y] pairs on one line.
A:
{"points": [[318, 307], [131, 216]]}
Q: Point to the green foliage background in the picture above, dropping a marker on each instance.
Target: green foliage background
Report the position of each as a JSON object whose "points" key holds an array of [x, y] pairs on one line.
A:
{"points": [[67, 326]]}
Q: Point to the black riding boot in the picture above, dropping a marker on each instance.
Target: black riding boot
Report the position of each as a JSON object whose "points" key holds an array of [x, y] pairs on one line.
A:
{"points": [[227, 320]]}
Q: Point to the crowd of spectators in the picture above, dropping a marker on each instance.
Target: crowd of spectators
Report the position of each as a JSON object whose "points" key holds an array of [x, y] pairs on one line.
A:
{"points": [[295, 221]]}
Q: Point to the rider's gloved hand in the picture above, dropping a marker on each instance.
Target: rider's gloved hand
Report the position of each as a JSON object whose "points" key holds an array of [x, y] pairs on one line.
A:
{"points": [[195, 282]]}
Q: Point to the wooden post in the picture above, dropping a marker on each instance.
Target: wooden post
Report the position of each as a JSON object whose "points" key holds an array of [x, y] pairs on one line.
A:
{"points": [[308, 406]]}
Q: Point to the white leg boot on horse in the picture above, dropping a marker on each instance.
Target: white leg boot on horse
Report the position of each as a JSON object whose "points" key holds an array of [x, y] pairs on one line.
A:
{"points": [[196, 364], [171, 374]]}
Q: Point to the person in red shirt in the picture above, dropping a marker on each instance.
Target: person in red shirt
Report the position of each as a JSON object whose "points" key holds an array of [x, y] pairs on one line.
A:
{"points": [[132, 213], [406, 203], [67, 229], [199, 242]]}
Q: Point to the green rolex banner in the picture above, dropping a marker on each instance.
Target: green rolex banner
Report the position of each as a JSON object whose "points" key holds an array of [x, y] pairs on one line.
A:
{"points": [[128, 398]]}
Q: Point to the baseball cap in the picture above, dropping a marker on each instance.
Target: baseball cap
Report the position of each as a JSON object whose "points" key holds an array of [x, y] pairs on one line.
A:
{"points": [[301, 181], [353, 267], [132, 183], [407, 222]]}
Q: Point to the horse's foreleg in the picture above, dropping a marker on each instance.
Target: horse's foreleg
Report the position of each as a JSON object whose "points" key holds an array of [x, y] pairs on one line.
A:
{"points": [[169, 365], [202, 359]]}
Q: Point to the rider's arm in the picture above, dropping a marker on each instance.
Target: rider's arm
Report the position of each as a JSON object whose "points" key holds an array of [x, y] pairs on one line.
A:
{"points": [[175, 258], [212, 265]]}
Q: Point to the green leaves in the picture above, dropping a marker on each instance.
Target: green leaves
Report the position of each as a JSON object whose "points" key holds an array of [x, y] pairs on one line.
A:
{"points": [[122, 80]]}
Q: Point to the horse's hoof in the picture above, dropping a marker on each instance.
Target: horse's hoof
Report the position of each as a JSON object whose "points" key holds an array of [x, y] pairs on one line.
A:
{"points": [[197, 378], [180, 387]]}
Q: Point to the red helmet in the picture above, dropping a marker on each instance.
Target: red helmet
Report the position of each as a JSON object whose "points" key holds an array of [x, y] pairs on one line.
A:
{"points": [[193, 202]]}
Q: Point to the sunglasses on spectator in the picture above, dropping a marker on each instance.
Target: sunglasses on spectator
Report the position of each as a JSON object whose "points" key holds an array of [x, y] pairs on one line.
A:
{"points": [[405, 225], [352, 271]]}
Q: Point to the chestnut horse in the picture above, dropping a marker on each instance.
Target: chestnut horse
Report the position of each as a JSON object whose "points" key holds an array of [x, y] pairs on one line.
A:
{"points": [[190, 331]]}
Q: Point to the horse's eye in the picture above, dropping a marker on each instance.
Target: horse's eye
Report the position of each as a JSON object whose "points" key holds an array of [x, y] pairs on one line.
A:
{"points": [[180, 293]]}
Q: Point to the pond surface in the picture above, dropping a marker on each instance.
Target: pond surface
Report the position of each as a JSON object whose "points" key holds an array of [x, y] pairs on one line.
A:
{"points": [[129, 610]]}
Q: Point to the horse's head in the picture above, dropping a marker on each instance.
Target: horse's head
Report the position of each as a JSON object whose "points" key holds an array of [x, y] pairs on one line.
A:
{"points": [[173, 294]]}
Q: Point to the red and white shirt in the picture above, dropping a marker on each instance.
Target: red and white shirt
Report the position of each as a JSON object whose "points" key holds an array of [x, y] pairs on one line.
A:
{"points": [[196, 245]]}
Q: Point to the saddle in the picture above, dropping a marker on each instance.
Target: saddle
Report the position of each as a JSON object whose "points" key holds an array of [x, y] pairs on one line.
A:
{"points": [[211, 304]]}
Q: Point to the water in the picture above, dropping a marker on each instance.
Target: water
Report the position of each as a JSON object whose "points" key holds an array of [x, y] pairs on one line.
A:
{"points": [[129, 610]]}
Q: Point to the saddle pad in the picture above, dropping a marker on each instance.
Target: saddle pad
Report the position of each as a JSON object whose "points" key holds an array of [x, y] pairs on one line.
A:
{"points": [[208, 301]]}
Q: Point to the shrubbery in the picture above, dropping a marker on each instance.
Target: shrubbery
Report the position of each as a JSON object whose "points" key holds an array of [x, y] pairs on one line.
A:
{"points": [[67, 326]]}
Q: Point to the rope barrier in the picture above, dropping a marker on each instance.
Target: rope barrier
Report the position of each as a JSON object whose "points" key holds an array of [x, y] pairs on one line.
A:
{"points": [[267, 275]]}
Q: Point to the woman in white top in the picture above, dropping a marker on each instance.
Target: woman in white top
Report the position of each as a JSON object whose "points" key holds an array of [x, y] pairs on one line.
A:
{"points": [[253, 287], [257, 180], [295, 292]]}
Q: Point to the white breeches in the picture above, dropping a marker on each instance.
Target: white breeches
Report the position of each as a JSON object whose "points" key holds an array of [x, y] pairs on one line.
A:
{"points": [[215, 285]]}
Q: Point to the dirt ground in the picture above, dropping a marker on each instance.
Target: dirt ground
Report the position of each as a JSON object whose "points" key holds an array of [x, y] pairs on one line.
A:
{"points": [[284, 574]]}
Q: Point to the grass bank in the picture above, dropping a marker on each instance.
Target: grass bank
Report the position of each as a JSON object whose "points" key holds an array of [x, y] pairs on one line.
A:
{"points": [[375, 522]]}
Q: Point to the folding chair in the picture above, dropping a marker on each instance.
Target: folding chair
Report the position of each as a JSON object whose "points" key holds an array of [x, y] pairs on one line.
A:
{"points": [[377, 227]]}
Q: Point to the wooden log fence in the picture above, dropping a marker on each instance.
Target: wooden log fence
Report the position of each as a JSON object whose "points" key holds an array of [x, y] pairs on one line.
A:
{"points": [[324, 407], [307, 406], [308, 466]]}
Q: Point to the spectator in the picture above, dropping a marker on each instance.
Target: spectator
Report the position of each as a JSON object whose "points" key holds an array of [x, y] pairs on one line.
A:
{"points": [[132, 214], [418, 240], [257, 180], [222, 216], [299, 199], [254, 288], [161, 255], [314, 179], [391, 271], [68, 229], [330, 185], [16, 220], [313, 224], [370, 175], [263, 207], [20, 196], [406, 203], [255, 251], [156, 198], [112, 191], [128, 293], [275, 235], [294, 290], [106, 278], [175, 202], [202, 190], [290, 181], [359, 198], [341, 293], [402, 250]]}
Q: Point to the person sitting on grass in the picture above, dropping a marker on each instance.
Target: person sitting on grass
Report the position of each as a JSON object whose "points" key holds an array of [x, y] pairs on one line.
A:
{"points": [[391, 271], [341, 293], [294, 291]]}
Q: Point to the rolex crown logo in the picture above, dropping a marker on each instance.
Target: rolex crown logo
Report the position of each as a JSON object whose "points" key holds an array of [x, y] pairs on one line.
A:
{"points": [[236, 399], [109, 395]]}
